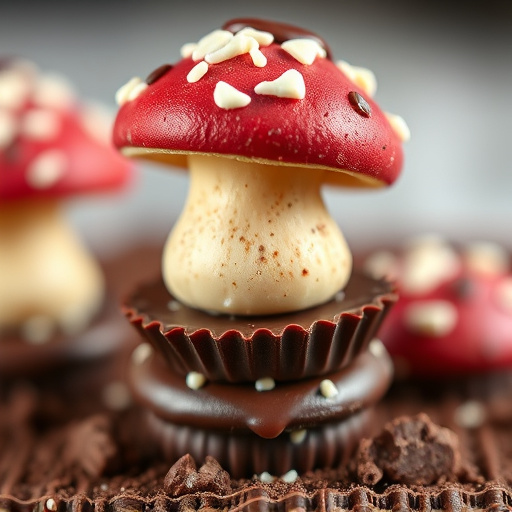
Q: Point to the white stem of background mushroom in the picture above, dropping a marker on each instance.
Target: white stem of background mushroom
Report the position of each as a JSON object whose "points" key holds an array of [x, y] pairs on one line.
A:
{"points": [[254, 239], [48, 280]]}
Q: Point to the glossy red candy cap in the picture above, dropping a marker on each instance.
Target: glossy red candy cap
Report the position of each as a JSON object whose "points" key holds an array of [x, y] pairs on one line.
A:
{"points": [[454, 312], [50, 145], [264, 92]]}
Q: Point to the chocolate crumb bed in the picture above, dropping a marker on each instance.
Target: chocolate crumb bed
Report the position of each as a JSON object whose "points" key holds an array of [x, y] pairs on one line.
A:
{"points": [[111, 471]]}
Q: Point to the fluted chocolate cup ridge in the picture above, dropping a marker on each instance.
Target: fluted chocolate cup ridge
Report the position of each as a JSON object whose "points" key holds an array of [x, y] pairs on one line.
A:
{"points": [[292, 346]]}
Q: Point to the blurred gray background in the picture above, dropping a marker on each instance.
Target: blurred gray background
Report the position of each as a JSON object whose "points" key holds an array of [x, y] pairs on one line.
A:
{"points": [[446, 69]]}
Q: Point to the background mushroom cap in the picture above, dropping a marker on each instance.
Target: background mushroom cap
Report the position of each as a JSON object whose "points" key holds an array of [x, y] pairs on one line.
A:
{"points": [[51, 145], [172, 117], [454, 312]]}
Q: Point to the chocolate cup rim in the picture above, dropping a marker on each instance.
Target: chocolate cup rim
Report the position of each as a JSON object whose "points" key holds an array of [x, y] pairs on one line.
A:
{"points": [[330, 340]]}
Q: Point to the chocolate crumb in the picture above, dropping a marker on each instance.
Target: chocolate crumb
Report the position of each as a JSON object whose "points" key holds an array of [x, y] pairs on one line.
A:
{"points": [[410, 450], [183, 477]]}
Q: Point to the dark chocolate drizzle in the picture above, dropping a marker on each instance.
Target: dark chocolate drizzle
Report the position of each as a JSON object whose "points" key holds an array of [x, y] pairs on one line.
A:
{"points": [[281, 31], [359, 104]]}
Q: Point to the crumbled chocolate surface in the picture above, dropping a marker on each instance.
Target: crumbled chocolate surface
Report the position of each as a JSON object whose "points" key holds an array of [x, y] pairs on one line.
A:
{"points": [[183, 477], [410, 451]]}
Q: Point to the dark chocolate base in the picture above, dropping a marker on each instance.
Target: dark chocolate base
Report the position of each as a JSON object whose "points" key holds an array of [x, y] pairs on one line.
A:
{"points": [[293, 346], [245, 454]]}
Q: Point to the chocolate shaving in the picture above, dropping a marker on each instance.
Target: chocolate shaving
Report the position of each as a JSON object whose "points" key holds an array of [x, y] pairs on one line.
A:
{"points": [[158, 73], [412, 451], [183, 477]]}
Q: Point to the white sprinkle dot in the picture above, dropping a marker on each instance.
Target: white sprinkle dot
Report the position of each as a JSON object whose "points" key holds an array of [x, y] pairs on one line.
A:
{"points": [[195, 380], [399, 126], [142, 353], [51, 504], [362, 77], [298, 436], [377, 348], [435, 318], [339, 296], [47, 169], [290, 476], [54, 91], [173, 305], [40, 124], [123, 94], [470, 414], [266, 477], [116, 396], [197, 72], [187, 50], [328, 388], [265, 384]]}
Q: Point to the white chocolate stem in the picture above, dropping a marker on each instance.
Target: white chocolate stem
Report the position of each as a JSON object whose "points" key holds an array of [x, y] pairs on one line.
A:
{"points": [[45, 272], [254, 239]]}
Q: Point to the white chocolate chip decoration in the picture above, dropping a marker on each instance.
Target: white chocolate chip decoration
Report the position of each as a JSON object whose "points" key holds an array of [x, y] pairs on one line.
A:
{"points": [[130, 91], [228, 97], [197, 72], [289, 85], [304, 50], [47, 169], [435, 318], [362, 77]]}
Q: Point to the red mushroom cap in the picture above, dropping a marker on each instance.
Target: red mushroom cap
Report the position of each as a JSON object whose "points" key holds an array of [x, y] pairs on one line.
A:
{"points": [[459, 321], [336, 126], [50, 146]]}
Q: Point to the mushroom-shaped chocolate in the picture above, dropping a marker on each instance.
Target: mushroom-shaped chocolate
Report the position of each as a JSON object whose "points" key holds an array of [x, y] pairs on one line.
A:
{"points": [[262, 117], [50, 148]]}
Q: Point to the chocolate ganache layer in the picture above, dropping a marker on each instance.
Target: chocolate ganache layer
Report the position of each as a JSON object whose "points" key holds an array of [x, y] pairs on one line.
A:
{"points": [[293, 346]]}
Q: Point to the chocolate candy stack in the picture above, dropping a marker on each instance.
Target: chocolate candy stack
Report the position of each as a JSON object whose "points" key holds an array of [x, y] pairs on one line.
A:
{"points": [[261, 394]]}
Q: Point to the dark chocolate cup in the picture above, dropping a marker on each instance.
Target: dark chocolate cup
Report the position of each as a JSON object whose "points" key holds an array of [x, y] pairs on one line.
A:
{"points": [[295, 425], [246, 454], [291, 346]]}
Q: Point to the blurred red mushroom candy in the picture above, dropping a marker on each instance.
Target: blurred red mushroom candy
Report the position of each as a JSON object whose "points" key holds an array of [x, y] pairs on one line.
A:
{"points": [[51, 148]]}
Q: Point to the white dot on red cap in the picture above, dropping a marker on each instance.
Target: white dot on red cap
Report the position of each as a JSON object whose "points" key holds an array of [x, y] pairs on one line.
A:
{"points": [[7, 128], [504, 294], [436, 318], [227, 97], [14, 88], [40, 124], [47, 169], [289, 85], [304, 50], [53, 91]]}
